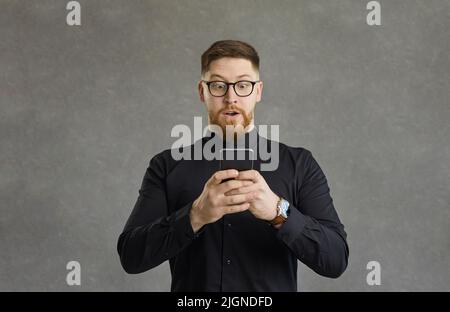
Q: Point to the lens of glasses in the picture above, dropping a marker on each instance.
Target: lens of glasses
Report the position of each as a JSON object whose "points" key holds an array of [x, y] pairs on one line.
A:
{"points": [[218, 88], [242, 88]]}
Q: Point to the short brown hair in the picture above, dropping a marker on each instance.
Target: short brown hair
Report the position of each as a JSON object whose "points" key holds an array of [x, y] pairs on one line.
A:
{"points": [[229, 48]]}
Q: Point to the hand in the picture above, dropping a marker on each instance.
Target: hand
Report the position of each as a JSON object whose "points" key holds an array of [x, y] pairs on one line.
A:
{"points": [[212, 203], [263, 204]]}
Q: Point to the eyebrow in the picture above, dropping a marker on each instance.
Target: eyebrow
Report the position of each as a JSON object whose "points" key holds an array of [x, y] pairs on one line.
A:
{"points": [[240, 76]]}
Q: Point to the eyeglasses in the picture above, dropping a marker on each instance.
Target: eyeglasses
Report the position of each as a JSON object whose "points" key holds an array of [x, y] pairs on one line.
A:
{"points": [[242, 88]]}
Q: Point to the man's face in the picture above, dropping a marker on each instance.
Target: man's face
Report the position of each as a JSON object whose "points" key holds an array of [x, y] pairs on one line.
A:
{"points": [[219, 108]]}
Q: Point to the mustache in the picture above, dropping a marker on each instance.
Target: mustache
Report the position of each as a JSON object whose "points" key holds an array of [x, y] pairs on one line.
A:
{"points": [[235, 108]]}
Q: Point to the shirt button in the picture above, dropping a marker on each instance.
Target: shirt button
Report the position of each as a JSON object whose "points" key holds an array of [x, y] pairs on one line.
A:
{"points": [[228, 261], [229, 224]]}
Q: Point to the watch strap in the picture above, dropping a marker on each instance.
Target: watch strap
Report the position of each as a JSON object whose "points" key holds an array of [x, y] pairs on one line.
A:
{"points": [[279, 218]]}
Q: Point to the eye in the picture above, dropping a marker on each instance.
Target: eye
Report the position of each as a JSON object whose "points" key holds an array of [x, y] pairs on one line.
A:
{"points": [[217, 85], [244, 84]]}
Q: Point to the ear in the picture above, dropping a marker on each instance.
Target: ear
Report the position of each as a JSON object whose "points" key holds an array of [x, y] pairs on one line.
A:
{"points": [[259, 88], [200, 91]]}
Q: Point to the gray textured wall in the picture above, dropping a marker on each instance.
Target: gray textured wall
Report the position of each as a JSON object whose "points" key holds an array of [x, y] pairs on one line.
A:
{"points": [[84, 108]]}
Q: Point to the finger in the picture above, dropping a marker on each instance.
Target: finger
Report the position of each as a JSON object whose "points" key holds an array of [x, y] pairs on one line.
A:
{"points": [[232, 184], [218, 176], [236, 208], [243, 190], [252, 175], [237, 199], [229, 185], [236, 190]]}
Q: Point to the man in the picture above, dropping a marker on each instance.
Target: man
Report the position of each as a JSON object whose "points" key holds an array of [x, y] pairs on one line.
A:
{"points": [[230, 230]]}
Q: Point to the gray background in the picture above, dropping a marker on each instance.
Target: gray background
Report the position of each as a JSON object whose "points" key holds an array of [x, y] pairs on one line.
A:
{"points": [[83, 109]]}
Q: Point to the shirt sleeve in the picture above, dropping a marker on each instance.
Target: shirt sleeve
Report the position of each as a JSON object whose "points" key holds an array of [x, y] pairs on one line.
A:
{"points": [[313, 231], [152, 236]]}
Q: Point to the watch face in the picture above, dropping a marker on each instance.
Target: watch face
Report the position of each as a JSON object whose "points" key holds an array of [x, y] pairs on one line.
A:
{"points": [[284, 208]]}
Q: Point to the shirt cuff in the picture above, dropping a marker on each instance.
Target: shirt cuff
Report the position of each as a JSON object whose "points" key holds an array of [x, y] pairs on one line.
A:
{"points": [[182, 222], [293, 227]]}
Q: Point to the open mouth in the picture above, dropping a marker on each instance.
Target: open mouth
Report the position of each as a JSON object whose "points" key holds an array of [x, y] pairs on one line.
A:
{"points": [[231, 113]]}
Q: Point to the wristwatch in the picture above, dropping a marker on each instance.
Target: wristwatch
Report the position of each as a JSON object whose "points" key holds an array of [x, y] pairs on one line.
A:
{"points": [[282, 212]]}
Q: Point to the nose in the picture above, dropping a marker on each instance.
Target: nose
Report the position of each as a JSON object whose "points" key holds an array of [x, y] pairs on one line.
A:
{"points": [[231, 96]]}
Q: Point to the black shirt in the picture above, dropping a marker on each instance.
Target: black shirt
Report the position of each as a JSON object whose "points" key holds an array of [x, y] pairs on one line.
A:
{"points": [[238, 252]]}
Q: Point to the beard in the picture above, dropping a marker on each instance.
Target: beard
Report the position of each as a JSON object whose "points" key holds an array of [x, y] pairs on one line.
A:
{"points": [[235, 126]]}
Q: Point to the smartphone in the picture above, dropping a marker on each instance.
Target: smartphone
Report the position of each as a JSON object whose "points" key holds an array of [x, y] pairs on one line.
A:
{"points": [[240, 159]]}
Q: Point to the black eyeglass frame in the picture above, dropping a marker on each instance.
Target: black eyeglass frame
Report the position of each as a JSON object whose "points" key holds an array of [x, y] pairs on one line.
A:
{"points": [[228, 84]]}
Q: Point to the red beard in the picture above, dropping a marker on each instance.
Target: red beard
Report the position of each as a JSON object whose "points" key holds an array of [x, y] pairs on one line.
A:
{"points": [[238, 128]]}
